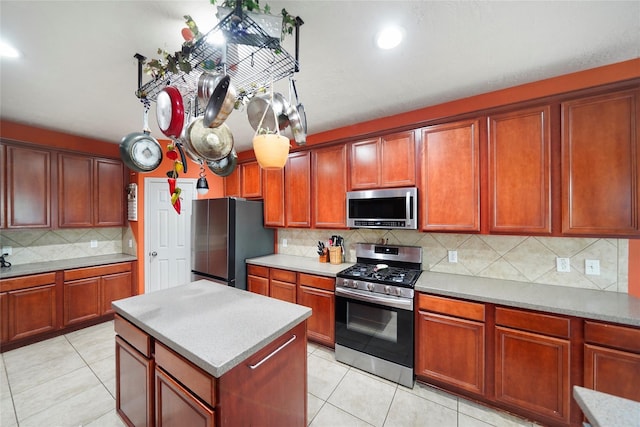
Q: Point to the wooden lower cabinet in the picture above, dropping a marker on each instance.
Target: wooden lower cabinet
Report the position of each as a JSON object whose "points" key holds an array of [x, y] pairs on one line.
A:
{"points": [[317, 293], [88, 292], [134, 385], [612, 359], [282, 284], [177, 407], [258, 279], [455, 329]]}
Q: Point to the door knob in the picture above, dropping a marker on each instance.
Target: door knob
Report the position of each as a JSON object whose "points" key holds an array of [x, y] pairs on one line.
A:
{"points": [[154, 253]]}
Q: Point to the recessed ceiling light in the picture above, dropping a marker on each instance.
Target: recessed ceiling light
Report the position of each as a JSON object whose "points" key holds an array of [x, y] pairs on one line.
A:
{"points": [[389, 37], [8, 51]]}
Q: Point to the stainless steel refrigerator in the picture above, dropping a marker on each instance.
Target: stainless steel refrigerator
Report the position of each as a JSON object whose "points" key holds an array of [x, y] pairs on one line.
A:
{"points": [[224, 233]]}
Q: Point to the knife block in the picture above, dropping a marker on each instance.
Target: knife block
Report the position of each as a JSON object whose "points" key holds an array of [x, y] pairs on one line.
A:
{"points": [[324, 257], [335, 255]]}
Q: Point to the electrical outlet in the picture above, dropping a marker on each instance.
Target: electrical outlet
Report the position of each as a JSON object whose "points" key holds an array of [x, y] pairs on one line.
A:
{"points": [[562, 265], [284, 241], [94, 244], [9, 249], [592, 267], [131, 241], [453, 256]]}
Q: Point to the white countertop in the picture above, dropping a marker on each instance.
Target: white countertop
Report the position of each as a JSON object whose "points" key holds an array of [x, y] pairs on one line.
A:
{"points": [[605, 410], [301, 264], [212, 325]]}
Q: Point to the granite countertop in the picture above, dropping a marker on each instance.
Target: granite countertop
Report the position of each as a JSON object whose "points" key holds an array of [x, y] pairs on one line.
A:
{"points": [[613, 307], [605, 410], [212, 325], [590, 304], [300, 264], [63, 264]]}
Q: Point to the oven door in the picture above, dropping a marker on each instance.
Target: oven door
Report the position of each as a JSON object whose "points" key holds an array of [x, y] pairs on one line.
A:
{"points": [[373, 327]]}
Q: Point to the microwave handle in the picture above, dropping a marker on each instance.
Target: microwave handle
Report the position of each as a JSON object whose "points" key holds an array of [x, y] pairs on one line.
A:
{"points": [[408, 203]]}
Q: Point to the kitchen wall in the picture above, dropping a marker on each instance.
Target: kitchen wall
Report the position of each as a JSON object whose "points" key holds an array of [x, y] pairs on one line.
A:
{"points": [[519, 258], [33, 245]]}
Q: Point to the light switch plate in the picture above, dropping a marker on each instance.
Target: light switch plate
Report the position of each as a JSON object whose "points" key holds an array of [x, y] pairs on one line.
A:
{"points": [[94, 243], [284, 241], [592, 267], [453, 256]]}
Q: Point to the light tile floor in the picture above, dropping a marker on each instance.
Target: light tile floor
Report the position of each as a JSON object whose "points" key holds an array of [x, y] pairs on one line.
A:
{"points": [[69, 381]]}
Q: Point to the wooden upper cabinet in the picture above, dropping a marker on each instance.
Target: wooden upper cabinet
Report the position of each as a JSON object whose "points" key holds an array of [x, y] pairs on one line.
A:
{"points": [[3, 188], [519, 171], [109, 193], [383, 162], [28, 187], [273, 192], [232, 184], [298, 189], [251, 180], [450, 194], [330, 187], [600, 157]]}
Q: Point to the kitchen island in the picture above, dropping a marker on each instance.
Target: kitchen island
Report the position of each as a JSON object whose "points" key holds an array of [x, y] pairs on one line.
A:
{"points": [[207, 354]]}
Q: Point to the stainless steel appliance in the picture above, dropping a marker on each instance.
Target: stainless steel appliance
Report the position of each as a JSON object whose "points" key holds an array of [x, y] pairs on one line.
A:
{"points": [[389, 208], [224, 233], [374, 311]]}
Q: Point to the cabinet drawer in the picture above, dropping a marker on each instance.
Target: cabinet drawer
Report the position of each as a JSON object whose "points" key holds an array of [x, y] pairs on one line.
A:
{"points": [[134, 336], [25, 282], [195, 379], [100, 270], [283, 275], [320, 282], [452, 307], [533, 322], [257, 270], [621, 337]]}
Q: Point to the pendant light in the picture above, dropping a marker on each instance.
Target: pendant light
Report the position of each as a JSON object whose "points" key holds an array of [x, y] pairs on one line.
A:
{"points": [[202, 186], [271, 149]]}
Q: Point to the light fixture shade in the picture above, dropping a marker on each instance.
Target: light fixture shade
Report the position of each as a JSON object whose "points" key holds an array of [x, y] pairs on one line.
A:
{"points": [[202, 186], [271, 150]]}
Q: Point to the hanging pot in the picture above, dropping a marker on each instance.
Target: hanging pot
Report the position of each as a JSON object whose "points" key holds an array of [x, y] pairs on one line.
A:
{"points": [[299, 129], [295, 121], [225, 166], [210, 143], [220, 103], [139, 150], [170, 111], [261, 102]]}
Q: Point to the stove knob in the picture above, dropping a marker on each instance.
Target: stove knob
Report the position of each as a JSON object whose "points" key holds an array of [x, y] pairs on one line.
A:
{"points": [[387, 289], [354, 284], [371, 286], [399, 292]]}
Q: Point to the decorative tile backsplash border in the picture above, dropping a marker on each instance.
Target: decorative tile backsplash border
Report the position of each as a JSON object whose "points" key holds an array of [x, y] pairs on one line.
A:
{"points": [[29, 246], [519, 258]]}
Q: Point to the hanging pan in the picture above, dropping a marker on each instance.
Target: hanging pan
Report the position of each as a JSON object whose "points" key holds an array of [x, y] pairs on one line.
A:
{"points": [[299, 122], [139, 150], [170, 111], [220, 104]]}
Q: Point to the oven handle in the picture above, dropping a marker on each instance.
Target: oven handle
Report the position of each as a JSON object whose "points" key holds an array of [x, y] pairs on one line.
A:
{"points": [[403, 304]]}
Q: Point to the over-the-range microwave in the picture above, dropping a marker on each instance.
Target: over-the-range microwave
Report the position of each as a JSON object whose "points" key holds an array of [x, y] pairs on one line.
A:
{"points": [[388, 208]]}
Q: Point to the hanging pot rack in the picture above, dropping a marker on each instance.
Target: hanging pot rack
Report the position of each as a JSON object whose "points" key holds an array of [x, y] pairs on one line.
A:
{"points": [[251, 57]]}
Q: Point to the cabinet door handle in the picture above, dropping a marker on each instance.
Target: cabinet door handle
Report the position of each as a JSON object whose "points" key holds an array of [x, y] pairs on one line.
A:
{"points": [[273, 353]]}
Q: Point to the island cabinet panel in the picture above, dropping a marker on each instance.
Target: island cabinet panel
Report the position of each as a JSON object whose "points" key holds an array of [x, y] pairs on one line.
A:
{"points": [[258, 279], [329, 167], [317, 293], [612, 359], [177, 407], [600, 159], [134, 386], [388, 161], [282, 284], [269, 388], [4, 317], [456, 329], [109, 194], [520, 171], [450, 193], [28, 187], [532, 367], [298, 190], [273, 192]]}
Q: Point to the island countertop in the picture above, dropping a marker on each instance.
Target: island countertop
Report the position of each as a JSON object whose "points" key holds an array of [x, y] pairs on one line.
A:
{"points": [[214, 326]]}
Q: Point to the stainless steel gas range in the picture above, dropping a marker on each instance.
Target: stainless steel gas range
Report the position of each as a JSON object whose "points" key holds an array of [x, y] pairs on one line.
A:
{"points": [[374, 311]]}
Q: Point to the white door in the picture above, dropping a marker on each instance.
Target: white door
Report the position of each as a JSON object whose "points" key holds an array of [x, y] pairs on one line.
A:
{"points": [[167, 240]]}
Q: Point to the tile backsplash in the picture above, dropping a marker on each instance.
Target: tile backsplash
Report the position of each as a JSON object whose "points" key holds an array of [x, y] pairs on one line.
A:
{"points": [[32, 245], [519, 258]]}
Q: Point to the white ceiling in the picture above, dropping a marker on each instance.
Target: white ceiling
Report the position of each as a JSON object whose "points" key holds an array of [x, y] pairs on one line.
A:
{"points": [[77, 72]]}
